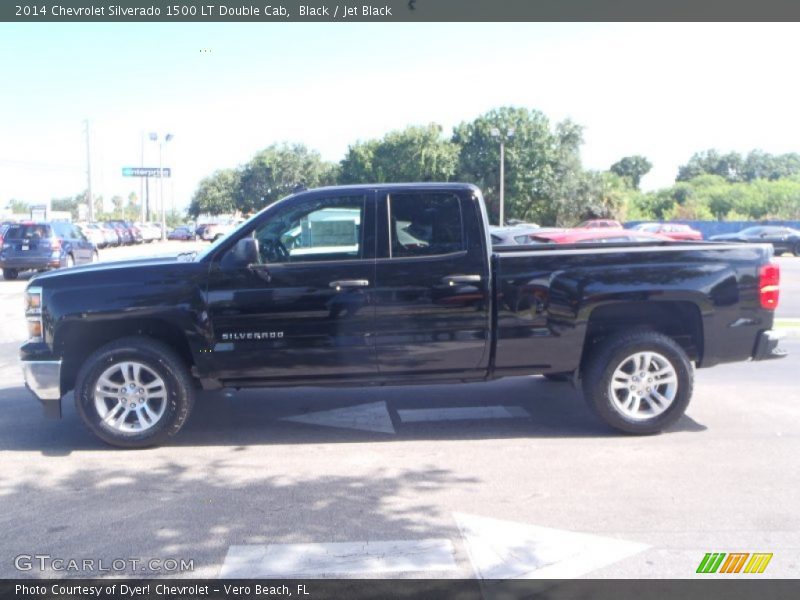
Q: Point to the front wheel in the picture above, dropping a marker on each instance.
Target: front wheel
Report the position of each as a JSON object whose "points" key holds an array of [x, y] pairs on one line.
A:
{"points": [[639, 382], [134, 392], [10, 274]]}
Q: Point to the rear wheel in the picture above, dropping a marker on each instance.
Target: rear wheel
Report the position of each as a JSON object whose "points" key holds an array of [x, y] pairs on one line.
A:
{"points": [[10, 274], [134, 392], [638, 382]]}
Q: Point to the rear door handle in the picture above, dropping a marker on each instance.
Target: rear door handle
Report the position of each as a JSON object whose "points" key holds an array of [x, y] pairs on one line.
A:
{"points": [[456, 279], [349, 283]]}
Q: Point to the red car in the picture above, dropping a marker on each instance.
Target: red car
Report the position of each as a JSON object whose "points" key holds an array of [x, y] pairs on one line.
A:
{"points": [[676, 231], [604, 236], [600, 224]]}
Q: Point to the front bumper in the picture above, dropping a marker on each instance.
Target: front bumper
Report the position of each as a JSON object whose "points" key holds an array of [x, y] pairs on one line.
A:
{"points": [[43, 378], [767, 345]]}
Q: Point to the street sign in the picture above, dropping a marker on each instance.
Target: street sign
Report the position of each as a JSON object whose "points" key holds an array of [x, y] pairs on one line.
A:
{"points": [[144, 172]]}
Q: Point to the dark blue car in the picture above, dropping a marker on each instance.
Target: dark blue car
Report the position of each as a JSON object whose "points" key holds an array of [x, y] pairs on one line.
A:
{"points": [[43, 246]]}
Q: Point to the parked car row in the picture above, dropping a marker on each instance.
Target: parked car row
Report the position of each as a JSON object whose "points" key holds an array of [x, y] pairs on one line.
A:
{"points": [[783, 239], [119, 232], [525, 234]]}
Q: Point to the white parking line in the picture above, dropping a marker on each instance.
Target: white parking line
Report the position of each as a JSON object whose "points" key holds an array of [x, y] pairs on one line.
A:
{"points": [[508, 550], [346, 558], [366, 417], [461, 413]]}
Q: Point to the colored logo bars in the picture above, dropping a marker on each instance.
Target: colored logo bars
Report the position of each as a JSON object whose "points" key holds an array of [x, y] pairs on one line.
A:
{"points": [[716, 562]]}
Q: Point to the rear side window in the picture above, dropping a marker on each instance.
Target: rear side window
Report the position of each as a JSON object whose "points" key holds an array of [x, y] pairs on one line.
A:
{"points": [[21, 232], [425, 224]]}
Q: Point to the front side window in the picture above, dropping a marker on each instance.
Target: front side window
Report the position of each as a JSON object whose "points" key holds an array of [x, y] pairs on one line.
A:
{"points": [[322, 229], [425, 224]]}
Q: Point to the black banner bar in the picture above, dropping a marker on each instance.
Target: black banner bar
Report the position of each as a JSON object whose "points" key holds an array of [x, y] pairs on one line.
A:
{"points": [[376, 11], [732, 588]]}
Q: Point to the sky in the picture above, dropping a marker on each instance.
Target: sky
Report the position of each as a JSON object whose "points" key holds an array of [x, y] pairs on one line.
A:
{"points": [[226, 91]]}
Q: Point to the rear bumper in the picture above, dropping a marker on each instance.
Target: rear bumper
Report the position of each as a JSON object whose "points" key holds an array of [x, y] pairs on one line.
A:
{"points": [[767, 345], [24, 264], [43, 378]]}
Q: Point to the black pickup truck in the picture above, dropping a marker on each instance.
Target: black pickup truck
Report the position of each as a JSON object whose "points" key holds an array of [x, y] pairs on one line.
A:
{"points": [[392, 284]]}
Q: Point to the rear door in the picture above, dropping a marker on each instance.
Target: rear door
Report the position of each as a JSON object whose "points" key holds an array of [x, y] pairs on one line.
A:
{"points": [[432, 285], [84, 248]]}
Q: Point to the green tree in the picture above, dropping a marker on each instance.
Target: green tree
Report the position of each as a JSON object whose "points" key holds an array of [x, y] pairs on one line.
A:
{"points": [[133, 210], [67, 205], [729, 166], [413, 154], [216, 194], [18, 207], [118, 203], [277, 171], [543, 173], [762, 165], [633, 168]]}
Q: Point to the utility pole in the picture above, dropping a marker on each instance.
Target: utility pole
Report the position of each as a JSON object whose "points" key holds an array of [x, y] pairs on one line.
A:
{"points": [[502, 182], [89, 174], [141, 184], [496, 133]]}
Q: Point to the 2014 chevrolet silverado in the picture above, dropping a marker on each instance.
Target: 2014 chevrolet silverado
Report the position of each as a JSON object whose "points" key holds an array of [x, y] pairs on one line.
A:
{"points": [[388, 284]]}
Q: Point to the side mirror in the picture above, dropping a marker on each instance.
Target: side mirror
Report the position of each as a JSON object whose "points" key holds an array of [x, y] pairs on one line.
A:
{"points": [[243, 254]]}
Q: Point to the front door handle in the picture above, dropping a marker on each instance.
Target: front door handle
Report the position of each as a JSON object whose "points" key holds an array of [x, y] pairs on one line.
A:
{"points": [[457, 279], [348, 283]]}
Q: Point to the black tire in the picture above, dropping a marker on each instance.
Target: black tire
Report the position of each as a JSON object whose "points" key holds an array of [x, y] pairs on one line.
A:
{"points": [[10, 274], [558, 377], [159, 358], [611, 354]]}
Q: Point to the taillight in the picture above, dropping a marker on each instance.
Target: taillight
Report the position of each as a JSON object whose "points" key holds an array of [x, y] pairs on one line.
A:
{"points": [[769, 278]]}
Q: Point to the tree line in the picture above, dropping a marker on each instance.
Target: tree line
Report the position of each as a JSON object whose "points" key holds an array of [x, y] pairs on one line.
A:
{"points": [[545, 180]]}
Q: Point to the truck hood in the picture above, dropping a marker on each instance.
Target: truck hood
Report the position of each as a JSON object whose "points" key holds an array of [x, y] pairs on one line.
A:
{"points": [[104, 267]]}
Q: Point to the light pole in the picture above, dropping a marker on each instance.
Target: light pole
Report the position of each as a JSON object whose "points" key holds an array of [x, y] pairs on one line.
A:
{"points": [[502, 137], [161, 141], [89, 175]]}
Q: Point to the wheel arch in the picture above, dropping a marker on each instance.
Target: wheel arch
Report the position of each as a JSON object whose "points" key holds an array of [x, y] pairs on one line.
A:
{"points": [[680, 320], [79, 341]]}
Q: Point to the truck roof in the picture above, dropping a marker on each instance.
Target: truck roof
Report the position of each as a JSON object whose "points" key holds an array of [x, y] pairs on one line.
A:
{"points": [[423, 185]]}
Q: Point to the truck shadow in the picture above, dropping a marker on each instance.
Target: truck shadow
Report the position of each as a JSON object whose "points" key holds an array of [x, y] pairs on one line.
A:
{"points": [[520, 407]]}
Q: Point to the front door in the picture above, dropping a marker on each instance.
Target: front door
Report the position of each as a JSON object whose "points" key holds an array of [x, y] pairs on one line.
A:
{"points": [[304, 312]]}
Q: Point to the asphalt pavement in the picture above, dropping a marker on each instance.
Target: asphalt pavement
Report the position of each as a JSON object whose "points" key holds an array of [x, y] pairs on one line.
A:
{"points": [[513, 478]]}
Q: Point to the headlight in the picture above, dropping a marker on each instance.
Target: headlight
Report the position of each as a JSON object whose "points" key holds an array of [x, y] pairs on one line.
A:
{"points": [[33, 313]]}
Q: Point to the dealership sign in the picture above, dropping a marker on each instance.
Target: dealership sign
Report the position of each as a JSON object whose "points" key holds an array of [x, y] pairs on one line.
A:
{"points": [[144, 172]]}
